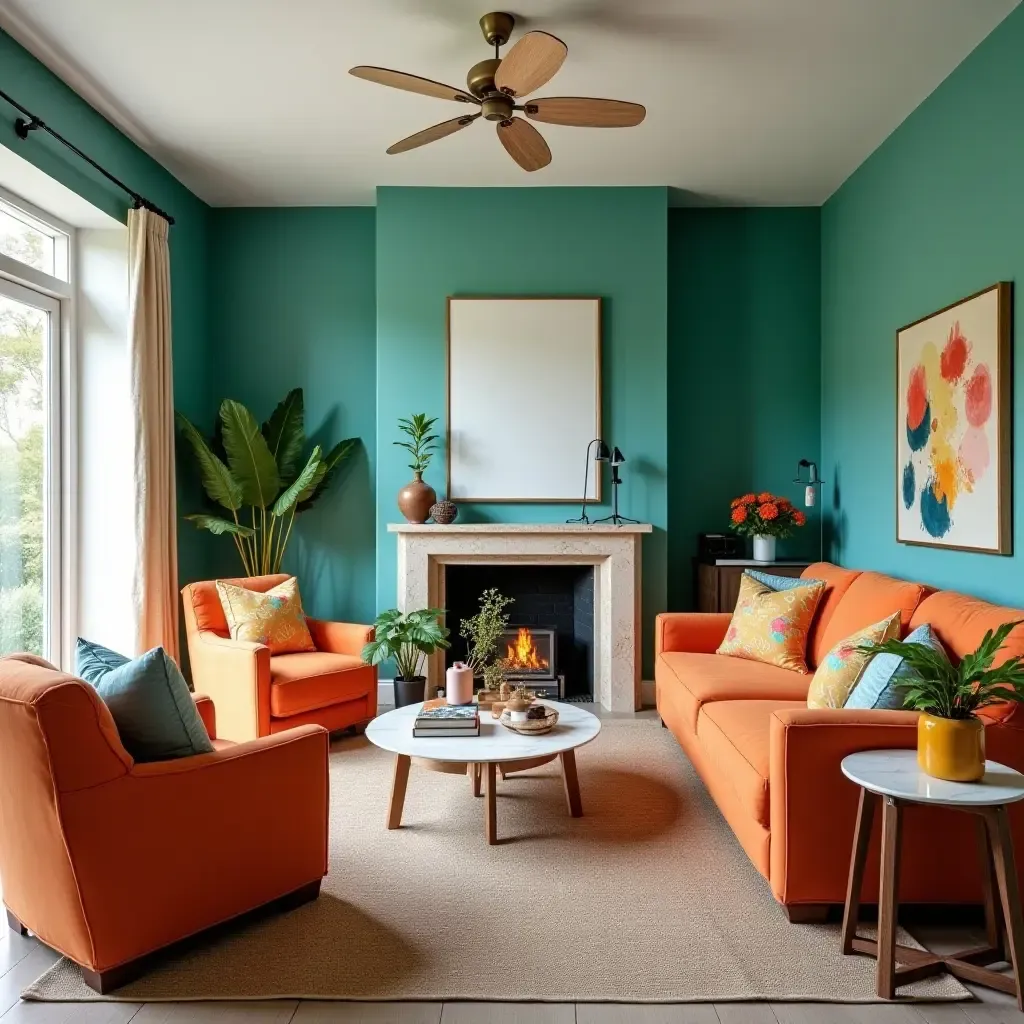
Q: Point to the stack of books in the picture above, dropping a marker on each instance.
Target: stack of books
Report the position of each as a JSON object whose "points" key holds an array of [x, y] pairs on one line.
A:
{"points": [[438, 718]]}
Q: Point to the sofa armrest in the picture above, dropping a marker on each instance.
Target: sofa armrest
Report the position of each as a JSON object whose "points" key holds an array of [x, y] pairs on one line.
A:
{"points": [[813, 805], [692, 632], [339, 637], [235, 675], [177, 846], [207, 713]]}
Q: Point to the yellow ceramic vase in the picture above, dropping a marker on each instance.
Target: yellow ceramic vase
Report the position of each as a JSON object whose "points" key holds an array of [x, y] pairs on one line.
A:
{"points": [[951, 748]]}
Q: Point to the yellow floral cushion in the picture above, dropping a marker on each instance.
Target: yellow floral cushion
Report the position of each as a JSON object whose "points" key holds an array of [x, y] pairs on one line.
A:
{"points": [[273, 618], [843, 666], [772, 625]]}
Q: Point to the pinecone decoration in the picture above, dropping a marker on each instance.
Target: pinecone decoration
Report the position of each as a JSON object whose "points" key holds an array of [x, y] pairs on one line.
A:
{"points": [[444, 512]]}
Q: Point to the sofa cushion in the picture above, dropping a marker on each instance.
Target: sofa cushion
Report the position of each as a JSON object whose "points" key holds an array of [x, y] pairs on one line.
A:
{"points": [[961, 623], [305, 681], [843, 666], [705, 678], [870, 598], [837, 582], [735, 735]]}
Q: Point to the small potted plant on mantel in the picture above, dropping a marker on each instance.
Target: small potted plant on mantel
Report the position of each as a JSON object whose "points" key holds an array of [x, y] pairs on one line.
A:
{"points": [[764, 517], [950, 735], [408, 639], [416, 497]]}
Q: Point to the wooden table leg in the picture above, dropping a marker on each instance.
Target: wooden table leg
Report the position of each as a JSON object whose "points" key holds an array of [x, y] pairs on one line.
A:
{"points": [[474, 770], [1006, 879], [491, 810], [861, 842], [888, 897], [572, 783], [990, 890], [398, 785]]}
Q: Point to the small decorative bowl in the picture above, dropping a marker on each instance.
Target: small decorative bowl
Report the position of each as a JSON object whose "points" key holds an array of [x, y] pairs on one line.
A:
{"points": [[531, 726], [444, 512]]}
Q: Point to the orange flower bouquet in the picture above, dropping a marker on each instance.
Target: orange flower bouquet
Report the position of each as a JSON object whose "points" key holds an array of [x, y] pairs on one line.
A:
{"points": [[765, 515]]}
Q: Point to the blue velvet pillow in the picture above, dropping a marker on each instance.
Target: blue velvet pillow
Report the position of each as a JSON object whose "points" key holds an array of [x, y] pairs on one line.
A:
{"points": [[883, 682], [148, 699], [778, 582]]}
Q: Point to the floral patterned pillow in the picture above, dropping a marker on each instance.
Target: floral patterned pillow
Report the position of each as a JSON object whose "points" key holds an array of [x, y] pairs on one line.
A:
{"points": [[772, 625], [274, 618], [843, 666]]}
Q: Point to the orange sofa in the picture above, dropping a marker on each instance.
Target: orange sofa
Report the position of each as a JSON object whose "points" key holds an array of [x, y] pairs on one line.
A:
{"points": [[772, 764], [108, 861], [257, 694]]}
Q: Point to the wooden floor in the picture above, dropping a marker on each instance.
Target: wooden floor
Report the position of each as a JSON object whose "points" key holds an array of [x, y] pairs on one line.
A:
{"points": [[22, 960]]}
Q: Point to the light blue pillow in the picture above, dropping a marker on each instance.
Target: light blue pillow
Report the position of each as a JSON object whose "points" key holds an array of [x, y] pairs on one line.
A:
{"points": [[883, 683], [148, 699], [778, 582]]}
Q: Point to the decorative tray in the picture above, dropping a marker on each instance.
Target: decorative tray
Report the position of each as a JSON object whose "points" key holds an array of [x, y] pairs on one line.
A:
{"points": [[531, 726]]}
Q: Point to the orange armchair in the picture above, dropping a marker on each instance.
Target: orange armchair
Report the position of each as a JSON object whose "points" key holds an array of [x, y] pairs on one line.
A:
{"points": [[256, 693], [108, 861]]}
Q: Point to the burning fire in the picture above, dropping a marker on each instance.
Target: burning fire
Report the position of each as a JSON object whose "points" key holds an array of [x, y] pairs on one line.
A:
{"points": [[522, 655]]}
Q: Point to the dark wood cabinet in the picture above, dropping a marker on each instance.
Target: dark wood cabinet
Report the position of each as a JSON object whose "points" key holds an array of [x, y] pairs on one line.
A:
{"points": [[718, 585]]}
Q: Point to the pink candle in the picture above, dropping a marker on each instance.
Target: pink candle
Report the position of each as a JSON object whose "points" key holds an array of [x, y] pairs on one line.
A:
{"points": [[459, 684]]}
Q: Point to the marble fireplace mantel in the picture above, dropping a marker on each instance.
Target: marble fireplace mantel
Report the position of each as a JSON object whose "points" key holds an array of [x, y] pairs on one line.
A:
{"points": [[614, 551]]}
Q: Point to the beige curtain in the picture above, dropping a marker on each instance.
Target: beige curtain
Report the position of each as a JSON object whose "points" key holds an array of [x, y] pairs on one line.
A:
{"points": [[155, 590]]}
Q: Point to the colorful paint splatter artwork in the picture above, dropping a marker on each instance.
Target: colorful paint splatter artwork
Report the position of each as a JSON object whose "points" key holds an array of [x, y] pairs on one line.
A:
{"points": [[949, 487]]}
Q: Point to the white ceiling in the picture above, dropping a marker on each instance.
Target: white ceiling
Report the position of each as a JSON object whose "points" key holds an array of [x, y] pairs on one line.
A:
{"points": [[749, 101]]}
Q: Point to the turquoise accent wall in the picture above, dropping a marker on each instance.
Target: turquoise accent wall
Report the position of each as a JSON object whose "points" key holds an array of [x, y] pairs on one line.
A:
{"points": [[293, 305], [743, 370], [612, 242], [32, 85], [935, 214]]}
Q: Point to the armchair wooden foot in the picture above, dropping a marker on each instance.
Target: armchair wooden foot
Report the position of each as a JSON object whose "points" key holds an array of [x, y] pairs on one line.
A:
{"points": [[808, 913], [15, 925]]}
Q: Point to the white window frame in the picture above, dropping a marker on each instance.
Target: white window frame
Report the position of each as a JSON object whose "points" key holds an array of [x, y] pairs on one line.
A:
{"points": [[56, 296]]}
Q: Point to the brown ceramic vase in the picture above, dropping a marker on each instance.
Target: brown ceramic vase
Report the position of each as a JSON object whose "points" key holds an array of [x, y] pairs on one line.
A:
{"points": [[415, 499]]}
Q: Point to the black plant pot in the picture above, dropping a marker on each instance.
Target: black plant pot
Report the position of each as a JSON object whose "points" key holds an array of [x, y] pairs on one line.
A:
{"points": [[410, 691]]}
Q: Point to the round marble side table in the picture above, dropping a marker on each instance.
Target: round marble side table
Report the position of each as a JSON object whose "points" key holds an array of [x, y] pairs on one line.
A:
{"points": [[893, 778]]}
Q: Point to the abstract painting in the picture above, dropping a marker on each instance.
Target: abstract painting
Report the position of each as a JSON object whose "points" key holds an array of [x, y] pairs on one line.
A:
{"points": [[953, 426]]}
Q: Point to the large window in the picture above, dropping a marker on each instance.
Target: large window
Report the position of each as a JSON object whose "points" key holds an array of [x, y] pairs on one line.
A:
{"points": [[34, 315]]}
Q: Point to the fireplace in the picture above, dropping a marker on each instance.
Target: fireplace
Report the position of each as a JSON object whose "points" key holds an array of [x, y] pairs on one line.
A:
{"points": [[549, 642]]}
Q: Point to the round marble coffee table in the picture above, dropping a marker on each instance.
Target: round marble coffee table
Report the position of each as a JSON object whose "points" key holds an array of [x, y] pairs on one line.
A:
{"points": [[893, 778], [482, 757]]}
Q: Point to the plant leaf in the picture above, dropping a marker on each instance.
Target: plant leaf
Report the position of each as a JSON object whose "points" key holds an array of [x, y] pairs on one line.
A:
{"points": [[218, 481], [325, 474], [251, 461], [285, 433], [217, 525], [288, 497]]}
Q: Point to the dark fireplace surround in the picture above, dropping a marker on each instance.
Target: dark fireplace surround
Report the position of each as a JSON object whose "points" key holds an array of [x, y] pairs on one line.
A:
{"points": [[545, 597]]}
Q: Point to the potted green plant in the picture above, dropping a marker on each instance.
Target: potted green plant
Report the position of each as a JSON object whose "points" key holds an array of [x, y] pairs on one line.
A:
{"points": [[950, 736], [482, 633], [260, 475], [407, 638], [416, 497]]}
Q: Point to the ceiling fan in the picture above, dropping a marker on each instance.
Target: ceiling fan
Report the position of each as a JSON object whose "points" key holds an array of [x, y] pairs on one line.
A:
{"points": [[495, 84]]}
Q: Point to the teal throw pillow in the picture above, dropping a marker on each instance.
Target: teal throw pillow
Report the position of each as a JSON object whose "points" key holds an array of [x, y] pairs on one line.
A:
{"points": [[148, 699], [779, 582], [883, 683]]}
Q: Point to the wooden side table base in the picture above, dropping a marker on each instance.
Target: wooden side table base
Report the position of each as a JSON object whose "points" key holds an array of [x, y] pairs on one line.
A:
{"points": [[1002, 906]]}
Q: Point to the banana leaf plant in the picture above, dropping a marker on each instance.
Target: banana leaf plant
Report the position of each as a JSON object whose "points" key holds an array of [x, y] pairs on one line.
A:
{"points": [[260, 476]]}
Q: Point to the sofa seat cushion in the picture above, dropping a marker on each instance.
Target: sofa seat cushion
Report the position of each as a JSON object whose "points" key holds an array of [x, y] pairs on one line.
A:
{"points": [[870, 598], [706, 678], [735, 735], [306, 681]]}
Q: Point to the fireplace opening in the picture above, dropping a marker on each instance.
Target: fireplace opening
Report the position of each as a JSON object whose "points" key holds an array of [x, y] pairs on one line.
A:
{"points": [[550, 637]]}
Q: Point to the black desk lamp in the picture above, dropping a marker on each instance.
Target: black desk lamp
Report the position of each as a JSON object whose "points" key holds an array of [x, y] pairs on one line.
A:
{"points": [[603, 455], [617, 460]]}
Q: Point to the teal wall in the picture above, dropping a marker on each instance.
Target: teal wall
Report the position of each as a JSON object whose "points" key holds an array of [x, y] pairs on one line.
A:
{"points": [[935, 214], [293, 306], [36, 88], [432, 243], [744, 370]]}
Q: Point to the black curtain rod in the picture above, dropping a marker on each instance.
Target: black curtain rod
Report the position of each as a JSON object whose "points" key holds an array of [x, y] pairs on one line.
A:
{"points": [[29, 123]]}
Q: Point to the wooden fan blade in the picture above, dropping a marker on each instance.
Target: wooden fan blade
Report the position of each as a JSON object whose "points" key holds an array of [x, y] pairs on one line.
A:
{"points": [[524, 144], [533, 61], [585, 112], [432, 134], [411, 83]]}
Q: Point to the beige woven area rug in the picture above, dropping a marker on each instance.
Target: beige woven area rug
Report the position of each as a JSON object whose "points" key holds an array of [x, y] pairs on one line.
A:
{"points": [[647, 898]]}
